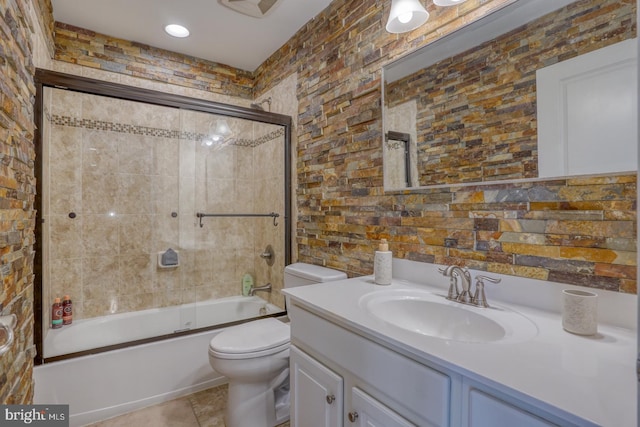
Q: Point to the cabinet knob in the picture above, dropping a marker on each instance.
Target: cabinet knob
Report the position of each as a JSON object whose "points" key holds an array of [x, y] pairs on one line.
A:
{"points": [[353, 416], [330, 399]]}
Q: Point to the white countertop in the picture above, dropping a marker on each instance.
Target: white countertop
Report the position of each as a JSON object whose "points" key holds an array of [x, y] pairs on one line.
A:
{"points": [[591, 378]]}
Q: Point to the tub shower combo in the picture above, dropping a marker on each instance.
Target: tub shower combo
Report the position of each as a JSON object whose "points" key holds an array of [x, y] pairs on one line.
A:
{"points": [[152, 207]]}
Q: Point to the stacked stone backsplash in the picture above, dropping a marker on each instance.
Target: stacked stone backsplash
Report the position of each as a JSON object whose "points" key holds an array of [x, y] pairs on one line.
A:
{"points": [[17, 192], [579, 231]]}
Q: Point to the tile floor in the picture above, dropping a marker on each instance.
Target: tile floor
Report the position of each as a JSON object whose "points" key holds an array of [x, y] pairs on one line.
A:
{"points": [[201, 409]]}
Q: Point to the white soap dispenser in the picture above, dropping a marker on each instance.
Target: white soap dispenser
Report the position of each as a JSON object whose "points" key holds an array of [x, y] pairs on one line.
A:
{"points": [[382, 264]]}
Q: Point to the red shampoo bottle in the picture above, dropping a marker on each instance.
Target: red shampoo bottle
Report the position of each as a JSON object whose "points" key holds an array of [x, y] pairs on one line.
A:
{"points": [[56, 314], [67, 310]]}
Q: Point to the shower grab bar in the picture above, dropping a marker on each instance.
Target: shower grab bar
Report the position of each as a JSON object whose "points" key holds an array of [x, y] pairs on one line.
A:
{"points": [[273, 215]]}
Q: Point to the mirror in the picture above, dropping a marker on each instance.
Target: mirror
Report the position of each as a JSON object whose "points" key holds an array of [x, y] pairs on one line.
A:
{"points": [[533, 90]]}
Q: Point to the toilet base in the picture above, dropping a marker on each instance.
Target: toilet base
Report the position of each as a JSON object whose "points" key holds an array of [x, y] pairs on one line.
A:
{"points": [[253, 404]]}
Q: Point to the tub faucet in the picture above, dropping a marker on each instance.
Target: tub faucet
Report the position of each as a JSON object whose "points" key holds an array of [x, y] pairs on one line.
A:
{"points": [[266, 288]]}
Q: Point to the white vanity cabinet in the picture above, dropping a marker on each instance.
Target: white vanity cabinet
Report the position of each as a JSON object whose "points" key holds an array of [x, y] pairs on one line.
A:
{"points": [[483, 407], [347, 341], [368, 412], [339, 378], [318, 399]]}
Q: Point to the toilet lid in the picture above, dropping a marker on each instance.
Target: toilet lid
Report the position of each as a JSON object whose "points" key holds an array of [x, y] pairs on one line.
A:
{"points": [[252, 339]]}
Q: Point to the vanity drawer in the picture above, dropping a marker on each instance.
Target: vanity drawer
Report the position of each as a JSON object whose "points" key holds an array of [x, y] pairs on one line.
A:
{"points": [[417, 392]]}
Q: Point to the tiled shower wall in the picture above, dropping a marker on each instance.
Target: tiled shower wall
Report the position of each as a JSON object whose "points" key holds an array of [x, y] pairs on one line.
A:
{"points": [[124, 182]]}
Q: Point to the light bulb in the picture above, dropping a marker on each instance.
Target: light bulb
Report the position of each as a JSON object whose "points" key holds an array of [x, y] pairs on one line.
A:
{"points": [[405, 17]]}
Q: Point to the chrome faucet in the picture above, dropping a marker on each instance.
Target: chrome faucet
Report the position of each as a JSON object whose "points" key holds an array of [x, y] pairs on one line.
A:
{"points": [[265, 288], [479, 298], [464, 296], [454, 291]]}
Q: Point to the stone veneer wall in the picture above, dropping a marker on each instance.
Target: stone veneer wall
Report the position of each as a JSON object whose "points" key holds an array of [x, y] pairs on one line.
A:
{"points": [[455, 144], [17, 191], [43, 13], [578, 231], [94, 50]]}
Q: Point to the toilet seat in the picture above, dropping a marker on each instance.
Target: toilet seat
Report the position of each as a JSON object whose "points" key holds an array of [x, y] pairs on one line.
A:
{"points": [[258, 338]]}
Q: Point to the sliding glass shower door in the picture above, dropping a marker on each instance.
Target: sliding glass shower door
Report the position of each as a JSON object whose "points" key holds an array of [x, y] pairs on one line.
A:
{"points": [[152, 215]]}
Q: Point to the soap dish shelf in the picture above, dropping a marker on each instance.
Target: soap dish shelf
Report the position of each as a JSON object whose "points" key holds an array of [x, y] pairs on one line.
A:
{"points": [[161, 265]]}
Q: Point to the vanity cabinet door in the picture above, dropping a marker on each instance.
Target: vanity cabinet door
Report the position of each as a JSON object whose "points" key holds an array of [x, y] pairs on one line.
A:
{"points": [[485, 410], [316, 392], [368, 412]]}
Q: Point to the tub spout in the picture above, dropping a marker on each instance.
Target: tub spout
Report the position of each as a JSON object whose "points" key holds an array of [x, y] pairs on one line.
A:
{"points": [[266, 288]]}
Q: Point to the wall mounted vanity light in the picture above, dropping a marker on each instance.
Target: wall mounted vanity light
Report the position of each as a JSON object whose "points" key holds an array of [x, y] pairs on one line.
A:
{"points": [[407, 15]]}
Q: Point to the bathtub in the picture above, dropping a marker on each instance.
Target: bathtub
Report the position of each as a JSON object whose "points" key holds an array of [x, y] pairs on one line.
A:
{"points": [[87, 334], [107, 384]]}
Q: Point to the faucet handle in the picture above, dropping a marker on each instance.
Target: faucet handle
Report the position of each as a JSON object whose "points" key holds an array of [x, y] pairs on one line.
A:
{"points": [[446, 271], [479, 297], [481, 278]]}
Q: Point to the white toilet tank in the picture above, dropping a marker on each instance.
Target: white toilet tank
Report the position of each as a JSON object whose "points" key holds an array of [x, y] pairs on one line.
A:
{"points": [[301, 274]]}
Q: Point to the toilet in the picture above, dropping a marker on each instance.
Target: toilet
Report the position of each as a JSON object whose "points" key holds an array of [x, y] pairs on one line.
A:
{"points": [[254, 356]]}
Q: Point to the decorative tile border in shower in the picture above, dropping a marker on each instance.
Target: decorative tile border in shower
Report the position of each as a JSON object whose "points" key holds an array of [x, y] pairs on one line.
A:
{"points": [[155, 132], [260, 140]]}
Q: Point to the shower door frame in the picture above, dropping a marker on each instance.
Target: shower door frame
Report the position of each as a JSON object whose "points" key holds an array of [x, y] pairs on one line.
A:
{"points": [[45, 78]]}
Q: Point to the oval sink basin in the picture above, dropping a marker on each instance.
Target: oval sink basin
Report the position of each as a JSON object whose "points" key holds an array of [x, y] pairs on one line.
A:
{"points": [[424, 313]]}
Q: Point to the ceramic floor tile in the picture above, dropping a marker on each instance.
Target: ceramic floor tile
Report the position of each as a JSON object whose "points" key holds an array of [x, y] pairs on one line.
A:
{"points": [[202, 409], [175, 413], [214, 420], [209, 403]]}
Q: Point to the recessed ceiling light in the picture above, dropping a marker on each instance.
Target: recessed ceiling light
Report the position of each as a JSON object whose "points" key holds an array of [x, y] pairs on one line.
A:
{"points": [[176, 30]]}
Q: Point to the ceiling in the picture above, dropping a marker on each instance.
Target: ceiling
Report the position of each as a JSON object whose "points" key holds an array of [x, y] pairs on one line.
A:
{"points": [[218, 33]]}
